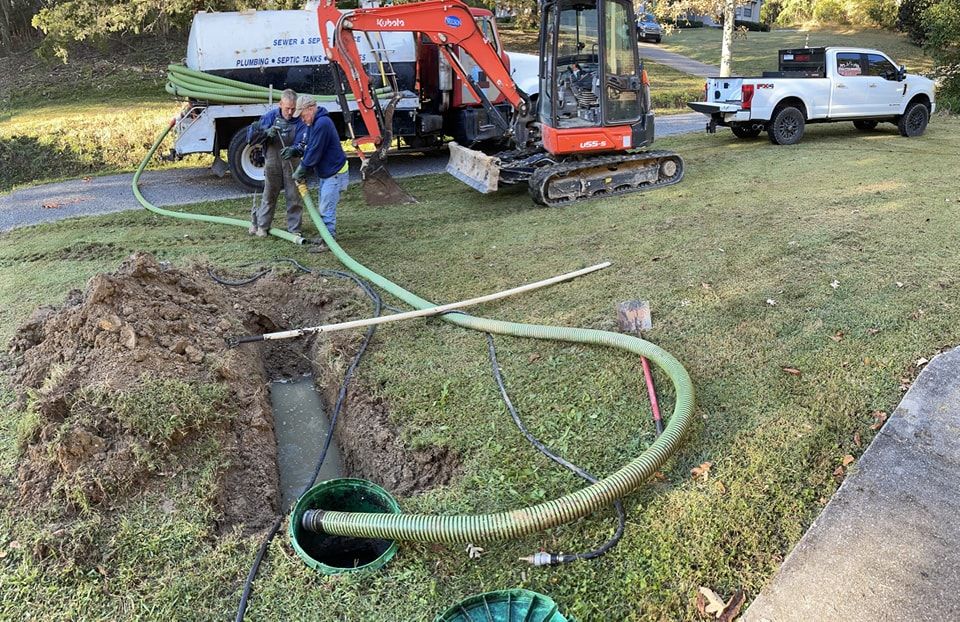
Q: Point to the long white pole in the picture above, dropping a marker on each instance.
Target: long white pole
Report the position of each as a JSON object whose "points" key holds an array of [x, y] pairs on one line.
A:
{"points": [[409, 315]]}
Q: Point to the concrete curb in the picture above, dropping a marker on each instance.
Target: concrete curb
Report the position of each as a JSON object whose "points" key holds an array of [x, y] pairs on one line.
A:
{"points": [[886, 547]]}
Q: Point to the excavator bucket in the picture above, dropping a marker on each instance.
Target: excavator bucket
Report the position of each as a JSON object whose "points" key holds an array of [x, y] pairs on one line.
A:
{"points": [[379, 187], [474, 168]]}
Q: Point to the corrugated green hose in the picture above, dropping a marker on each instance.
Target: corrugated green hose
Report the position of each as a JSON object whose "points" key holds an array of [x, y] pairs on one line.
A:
{"points": [[514, 523], [185, 82]]}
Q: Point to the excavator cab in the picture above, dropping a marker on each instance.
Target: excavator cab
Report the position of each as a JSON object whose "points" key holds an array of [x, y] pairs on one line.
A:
{"points": [[593, 95]]}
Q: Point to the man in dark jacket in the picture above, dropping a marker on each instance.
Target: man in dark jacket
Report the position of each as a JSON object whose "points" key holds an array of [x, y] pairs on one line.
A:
{"points": [[281, 129], [323, 154]]}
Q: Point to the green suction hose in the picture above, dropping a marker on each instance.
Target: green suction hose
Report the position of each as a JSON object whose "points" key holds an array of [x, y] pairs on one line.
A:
{"points": [[185, 82], [501, 525]]}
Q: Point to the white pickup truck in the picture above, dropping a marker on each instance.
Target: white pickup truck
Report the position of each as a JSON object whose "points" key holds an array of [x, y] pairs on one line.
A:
{"points": [[820, 85]]}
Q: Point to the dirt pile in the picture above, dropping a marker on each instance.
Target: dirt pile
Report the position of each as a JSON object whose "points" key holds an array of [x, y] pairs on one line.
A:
{"points": [[128, 371], [127, 374]]}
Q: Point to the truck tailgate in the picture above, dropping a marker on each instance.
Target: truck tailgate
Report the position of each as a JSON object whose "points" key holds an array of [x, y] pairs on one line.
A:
{"points": [[713, 107]]}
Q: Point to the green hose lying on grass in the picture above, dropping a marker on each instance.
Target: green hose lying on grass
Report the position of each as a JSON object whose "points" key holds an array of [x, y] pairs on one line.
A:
{"points": [[190, 83], [501, 525]]}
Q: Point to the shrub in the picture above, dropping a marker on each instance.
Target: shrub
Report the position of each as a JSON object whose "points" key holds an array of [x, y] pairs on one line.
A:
{"points": [[943, 43], [910, 19], [830, 11]]}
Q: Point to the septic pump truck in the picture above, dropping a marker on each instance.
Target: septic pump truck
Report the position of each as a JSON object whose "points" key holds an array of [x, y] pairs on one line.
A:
{"points": [[582, 139]]}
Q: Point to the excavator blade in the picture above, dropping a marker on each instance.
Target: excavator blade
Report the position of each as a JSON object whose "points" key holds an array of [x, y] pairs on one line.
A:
{"points": [[474, 168], [379, 187]]}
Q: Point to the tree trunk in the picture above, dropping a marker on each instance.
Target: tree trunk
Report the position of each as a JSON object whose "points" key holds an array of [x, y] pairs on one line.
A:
{"points": [[726, 52], [6, 30]]}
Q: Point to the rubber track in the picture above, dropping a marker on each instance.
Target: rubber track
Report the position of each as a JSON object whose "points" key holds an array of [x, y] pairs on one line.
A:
{"points": [[542, 177]]}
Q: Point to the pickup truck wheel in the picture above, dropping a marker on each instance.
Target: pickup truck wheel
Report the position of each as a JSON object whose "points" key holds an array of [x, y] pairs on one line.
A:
{"points": [[865, 126], [745, 131], [246, 162], [913, 121], [786, 126]]}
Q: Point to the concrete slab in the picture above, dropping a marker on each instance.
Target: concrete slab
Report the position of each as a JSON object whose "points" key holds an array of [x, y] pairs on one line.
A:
{"points": [[886, 547]]}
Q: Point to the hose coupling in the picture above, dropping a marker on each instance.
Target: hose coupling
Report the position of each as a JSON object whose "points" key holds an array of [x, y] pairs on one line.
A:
{"points": [[540, 558], [313, 520]]}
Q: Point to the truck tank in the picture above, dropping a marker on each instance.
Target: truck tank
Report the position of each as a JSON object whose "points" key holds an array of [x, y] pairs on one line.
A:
{"points": [[283, 49]]}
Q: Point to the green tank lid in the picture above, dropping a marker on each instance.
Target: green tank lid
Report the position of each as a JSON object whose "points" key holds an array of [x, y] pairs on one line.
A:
{"points": [[338, 554], [504, 606]]}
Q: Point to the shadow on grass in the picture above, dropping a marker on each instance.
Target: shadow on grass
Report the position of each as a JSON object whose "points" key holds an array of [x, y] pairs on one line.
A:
{"points": [[26, 159]]}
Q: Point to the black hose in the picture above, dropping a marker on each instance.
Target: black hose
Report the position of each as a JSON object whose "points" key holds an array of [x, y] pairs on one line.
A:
{"points": [[555, 558], [341, 398]]}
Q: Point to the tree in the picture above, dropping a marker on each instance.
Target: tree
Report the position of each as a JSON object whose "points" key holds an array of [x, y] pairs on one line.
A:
{"points": [[942, 21], [677, 10]]}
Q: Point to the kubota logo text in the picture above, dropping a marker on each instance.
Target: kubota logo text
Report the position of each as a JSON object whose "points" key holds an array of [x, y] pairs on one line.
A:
{"points": [[593, 144], [391, 23]]}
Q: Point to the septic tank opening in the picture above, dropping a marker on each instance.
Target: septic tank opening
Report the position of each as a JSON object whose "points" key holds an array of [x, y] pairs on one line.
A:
{"points": [[331, 554]]}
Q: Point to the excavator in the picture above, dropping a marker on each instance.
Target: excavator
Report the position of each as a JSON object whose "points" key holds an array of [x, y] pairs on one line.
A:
{"points": [[585, 135]]}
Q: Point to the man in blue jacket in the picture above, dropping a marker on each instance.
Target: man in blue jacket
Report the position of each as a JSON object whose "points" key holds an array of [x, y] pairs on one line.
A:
{"points": [[281, 129], [322, 154]]}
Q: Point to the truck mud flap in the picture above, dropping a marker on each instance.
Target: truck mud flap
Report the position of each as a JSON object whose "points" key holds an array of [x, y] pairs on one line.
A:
{"points": [[478, 170]]}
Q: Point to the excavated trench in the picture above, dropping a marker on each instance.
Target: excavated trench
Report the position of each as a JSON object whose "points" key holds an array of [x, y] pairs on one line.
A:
{"points": [[148, 330]]}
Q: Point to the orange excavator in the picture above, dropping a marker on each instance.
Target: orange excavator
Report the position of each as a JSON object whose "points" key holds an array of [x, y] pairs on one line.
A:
{"points": [[584, 135]]}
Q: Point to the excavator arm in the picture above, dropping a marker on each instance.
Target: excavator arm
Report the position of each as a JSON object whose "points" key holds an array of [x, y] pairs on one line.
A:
{"points": [[448, 23]]}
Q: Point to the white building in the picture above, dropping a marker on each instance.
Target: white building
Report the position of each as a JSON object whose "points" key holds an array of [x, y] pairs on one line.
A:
{"points": [[748, 12]]}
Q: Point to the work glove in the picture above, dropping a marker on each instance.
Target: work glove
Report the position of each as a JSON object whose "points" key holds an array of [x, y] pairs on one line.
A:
{"points": [[300, 173], [288, 153], [273, 132]]}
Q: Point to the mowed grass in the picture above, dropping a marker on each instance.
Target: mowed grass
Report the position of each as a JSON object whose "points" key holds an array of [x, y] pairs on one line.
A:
{"points": [[757, 52], [95, 115], [835, 257], [670, 90]]}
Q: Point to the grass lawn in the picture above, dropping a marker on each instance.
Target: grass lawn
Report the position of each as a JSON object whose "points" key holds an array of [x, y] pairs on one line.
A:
{"points": [[835, 257], [93, 116], [758, 51], [670, 90]]}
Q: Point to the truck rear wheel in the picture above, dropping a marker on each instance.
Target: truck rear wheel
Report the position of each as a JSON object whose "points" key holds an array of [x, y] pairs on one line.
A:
{"points": [[914, 120], [786, 126], [245, 161], [865, 126], [745, 131]]}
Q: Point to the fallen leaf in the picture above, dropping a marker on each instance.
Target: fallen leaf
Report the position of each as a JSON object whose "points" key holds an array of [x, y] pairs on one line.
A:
{"points": [[856, 439], [916, 315], [838, 472], [535, 356], [52, 205], [899, 284], [705, 285], [720, 487], [848, 460], [14, 544], [793, 371], [87, 180], [771, 302], [834, 283], [837, 336], [921, 362], [659, 476], [880, 417], [732, 610], [686, 303], [701, 603], [714, 605], [702, 470], [873, 331], [473, 552]]}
